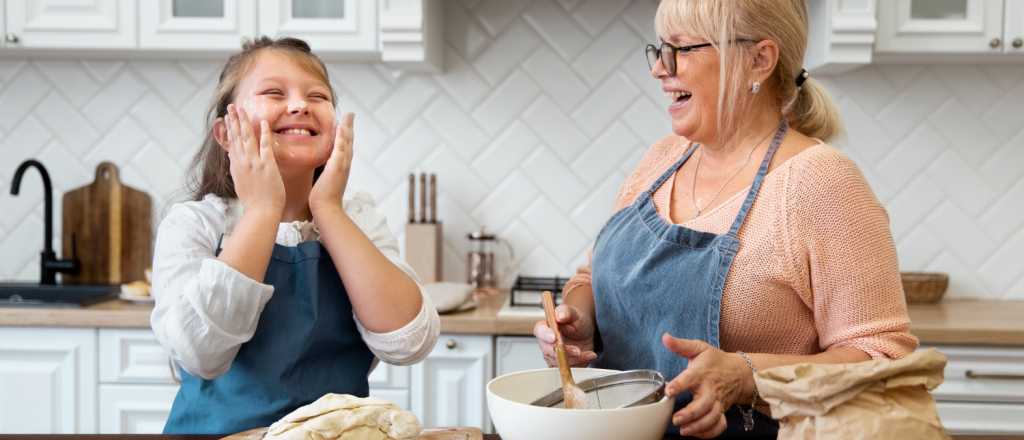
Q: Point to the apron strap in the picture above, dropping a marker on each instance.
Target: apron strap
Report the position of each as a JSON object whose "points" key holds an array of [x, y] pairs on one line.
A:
{"points": [[756, 185], [670, 171]]}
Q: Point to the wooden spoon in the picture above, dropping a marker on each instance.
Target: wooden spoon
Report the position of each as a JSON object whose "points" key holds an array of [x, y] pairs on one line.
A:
{"points": [[572, 395]]}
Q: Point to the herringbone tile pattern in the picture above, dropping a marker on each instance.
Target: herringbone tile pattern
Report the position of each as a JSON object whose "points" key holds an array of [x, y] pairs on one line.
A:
{"points": [[544, 107]]}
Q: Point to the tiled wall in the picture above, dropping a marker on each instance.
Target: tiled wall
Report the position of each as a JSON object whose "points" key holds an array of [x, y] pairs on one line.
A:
{"points": [[544, 107]]}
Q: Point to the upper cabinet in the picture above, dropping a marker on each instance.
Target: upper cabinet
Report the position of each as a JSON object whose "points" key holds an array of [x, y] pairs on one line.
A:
{"points": [[96, 24], [404, 33], [336, 25], [942, 26], [195, 24], [845, 34]]}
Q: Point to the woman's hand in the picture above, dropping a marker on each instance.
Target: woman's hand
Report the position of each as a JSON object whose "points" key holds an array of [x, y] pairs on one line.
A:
{"points": [[717, 380], [330, 186], [577, 335], [254, 172]]}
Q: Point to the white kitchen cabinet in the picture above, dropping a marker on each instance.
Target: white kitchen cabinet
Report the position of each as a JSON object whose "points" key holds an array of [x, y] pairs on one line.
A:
{"points": [[1013, 30], [391, 382], [94, 24], [517, 353], [945, 26], [196, 24], [327, 25], [132, 356], [135, 409], [983, 391], [447, 388], [47, 380]]}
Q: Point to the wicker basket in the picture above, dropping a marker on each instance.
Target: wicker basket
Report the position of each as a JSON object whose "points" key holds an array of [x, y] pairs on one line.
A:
{"points": [[924, 287]]}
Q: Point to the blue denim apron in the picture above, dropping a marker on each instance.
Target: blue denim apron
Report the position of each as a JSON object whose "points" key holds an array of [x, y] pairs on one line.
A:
{"points": [[306, 345], [651, 276]]}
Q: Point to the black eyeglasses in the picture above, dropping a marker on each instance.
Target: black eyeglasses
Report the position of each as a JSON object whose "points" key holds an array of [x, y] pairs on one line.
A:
{"points": [[666, 52]]}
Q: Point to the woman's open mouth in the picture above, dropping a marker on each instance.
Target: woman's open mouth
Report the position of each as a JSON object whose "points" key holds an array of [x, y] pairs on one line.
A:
{"points": [[297, 132], [679, 98]]}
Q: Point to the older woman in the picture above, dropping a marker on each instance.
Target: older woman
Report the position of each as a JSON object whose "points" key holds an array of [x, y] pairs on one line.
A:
{"points": [[743, 241]]}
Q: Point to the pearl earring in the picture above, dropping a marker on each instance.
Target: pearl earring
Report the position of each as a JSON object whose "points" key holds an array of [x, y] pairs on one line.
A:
{"points": [[755, 87]]}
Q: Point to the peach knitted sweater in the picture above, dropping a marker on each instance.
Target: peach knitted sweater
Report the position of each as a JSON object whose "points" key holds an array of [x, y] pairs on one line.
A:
{"points": [[816, 267]]}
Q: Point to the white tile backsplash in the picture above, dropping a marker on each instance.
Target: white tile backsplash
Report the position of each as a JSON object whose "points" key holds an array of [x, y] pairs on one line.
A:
{"points": [[543, 109]]}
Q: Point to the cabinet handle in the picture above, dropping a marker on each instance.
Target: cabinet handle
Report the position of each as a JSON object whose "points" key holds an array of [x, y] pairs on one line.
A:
{"points": [[451, 344], [12, 38], [1018, 42], [995, 43], [971, 374]]}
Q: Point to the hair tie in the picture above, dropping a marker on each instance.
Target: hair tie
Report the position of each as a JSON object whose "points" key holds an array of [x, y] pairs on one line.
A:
{"points": [[801, 77]]}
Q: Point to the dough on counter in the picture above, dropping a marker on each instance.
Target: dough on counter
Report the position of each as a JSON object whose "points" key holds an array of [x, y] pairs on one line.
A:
{"points": [[346, 417]]}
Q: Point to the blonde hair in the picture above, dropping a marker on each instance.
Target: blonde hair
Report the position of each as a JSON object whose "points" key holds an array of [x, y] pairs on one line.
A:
{"points": [[211, 170], [808, 108]]}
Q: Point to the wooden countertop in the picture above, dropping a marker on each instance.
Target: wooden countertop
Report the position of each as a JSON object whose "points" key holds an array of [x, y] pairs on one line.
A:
{"points": [[977, 322]]}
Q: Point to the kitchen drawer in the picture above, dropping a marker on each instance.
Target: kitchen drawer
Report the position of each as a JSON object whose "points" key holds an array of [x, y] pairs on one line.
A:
{"points": [[389, 376], [972, 418], [132, 356], [982, 374], [135, 409]]}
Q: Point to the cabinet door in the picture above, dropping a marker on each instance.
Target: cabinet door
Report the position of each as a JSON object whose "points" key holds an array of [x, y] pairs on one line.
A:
{"points": [[327, 25], [47, 380], [448, 387], [195, 24], [135, 409], [922, 26], [85, 24], [132, 356], [970, 418], [517, 353], [1014, 29]]}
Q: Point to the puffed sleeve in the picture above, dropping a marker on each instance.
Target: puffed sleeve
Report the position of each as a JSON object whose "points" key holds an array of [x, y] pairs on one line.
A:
{"points": [[204, 309]]}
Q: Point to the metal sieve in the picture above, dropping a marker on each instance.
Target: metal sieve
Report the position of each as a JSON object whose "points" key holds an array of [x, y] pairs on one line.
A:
{"points": [[616, 390]]}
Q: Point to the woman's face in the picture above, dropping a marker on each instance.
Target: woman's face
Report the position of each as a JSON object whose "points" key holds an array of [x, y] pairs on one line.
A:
{"points": [[693, 91], [297, 106]]}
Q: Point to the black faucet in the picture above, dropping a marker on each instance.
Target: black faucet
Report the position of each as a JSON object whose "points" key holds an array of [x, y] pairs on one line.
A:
{"points": [[49, 264]]}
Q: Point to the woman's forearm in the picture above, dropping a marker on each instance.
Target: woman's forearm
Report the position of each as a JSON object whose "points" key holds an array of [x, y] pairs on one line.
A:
{"points": [[252, 242], [383, 297], [837, 355]]}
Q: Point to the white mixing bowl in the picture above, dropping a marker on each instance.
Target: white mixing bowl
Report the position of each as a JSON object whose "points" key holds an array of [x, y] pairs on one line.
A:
{"points": [[509, 397]]}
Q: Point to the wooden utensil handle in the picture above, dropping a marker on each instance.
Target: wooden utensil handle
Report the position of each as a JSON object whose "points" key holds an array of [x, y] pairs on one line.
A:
{"points": [[549, 314]]}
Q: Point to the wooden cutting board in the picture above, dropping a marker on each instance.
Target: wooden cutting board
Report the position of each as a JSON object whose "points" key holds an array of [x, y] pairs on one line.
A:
{"points": [[110, 225], [462, 433]]}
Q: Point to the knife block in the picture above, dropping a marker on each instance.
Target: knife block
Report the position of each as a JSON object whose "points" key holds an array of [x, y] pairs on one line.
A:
{"points": [[423, 250]]}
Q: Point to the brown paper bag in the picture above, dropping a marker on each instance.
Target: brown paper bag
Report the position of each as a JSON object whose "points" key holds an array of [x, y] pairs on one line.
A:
{"points": [[879, 399]]}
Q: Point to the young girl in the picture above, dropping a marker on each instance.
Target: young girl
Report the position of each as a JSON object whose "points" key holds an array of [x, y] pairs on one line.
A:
{"points": [[271, 290]]}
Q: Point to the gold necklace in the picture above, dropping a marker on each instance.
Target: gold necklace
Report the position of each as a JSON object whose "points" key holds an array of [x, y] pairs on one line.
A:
{"points": [[693, 186]]}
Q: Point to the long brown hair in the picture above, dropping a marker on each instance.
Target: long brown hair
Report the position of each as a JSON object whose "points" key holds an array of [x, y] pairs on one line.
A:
{"points": [[210, 168]]}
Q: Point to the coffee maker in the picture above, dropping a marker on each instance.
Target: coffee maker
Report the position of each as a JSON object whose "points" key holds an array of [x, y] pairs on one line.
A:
{"points": [[481, 268]]}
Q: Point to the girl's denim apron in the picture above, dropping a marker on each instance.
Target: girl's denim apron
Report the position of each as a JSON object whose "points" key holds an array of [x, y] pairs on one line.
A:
{"points": [[651, 276], [306, 345]]}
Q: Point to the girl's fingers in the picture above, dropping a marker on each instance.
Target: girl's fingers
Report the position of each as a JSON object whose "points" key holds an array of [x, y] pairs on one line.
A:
{"points": [[229, 121], [265, 140], [245, 128]]}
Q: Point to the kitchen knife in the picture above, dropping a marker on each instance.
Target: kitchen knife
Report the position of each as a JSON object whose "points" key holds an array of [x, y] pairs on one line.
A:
{"points": [[412, 198], [433, 198], [423, 197]]}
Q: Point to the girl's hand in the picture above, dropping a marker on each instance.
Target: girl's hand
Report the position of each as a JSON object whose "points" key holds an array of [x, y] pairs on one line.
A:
{"points": [[257, 180], [577, 335], [716, 379], [330, 187]]}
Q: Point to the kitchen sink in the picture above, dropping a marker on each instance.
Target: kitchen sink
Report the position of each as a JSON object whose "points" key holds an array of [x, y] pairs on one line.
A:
{"points": [[54, 295]]}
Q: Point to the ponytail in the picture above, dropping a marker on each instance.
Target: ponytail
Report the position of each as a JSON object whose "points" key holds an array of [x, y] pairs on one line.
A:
{"points": [[813, 112]]}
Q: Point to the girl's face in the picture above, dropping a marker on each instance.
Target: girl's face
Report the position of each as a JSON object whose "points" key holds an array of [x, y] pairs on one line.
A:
{"points": [[295, 103], [693, 91]]}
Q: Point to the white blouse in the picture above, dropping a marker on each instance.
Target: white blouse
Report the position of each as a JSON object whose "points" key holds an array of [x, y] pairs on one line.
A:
{"points": [[205, 310]]}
